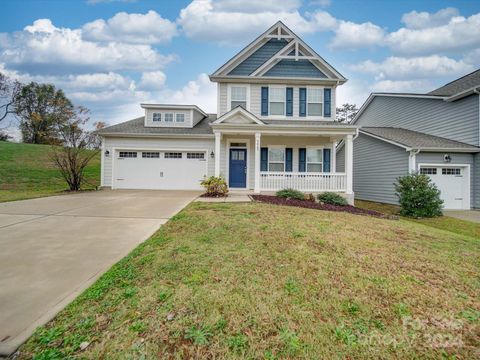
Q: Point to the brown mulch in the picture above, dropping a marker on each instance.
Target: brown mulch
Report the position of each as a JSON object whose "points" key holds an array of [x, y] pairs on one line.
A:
{"points": [[318, 206]]}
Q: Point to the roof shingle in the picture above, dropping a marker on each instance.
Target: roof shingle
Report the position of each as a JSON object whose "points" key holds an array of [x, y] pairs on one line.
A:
{"points": [[456, 86], [416, 140]]}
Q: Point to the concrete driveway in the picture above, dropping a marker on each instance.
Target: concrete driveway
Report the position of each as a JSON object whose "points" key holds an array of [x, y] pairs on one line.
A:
{"points": [[53, 248], [469, 215]]}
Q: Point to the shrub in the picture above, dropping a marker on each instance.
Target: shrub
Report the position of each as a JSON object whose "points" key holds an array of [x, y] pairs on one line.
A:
{"points": [[215, 186], [291, 194], [332, 199], [418, 196]]}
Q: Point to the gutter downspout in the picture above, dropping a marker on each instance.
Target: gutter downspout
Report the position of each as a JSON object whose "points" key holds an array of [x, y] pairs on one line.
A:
{"points": [[477, 91], [412, 160]]}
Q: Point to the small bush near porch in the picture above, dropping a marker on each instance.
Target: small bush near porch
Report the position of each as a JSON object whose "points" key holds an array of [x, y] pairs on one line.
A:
{"points": [[261, 281]]}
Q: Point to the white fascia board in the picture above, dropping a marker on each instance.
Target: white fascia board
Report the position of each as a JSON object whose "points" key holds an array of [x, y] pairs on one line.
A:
{"points": [[179, 136], [235, 111], [277, 79], [462, 94]]}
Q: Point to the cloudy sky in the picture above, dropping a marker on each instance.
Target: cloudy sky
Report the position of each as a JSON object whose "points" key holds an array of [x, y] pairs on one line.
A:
{"points": [[110, 55]]}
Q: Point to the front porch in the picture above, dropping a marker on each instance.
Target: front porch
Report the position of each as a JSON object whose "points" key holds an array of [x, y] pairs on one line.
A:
{"points": [[265, 157]]}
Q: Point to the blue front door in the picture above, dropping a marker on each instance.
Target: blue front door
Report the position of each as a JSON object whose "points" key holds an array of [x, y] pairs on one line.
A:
{"points": [[238, 168]]}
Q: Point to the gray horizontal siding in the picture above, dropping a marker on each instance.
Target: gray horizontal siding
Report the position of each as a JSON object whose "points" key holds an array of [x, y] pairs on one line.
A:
{"points": [[457, 158], [476, 182], [376, 166], [458, 120], [340, 160], [260, 56], [292, 68]]}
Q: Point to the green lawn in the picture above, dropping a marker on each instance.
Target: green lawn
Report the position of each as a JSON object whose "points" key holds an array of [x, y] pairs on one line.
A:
{"points": [[448, 223], [260, 281], [26, 171]]}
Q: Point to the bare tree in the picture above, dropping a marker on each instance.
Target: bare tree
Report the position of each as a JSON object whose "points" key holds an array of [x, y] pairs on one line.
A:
{"points": [[79, 147], [9, 90], [346, 113]]}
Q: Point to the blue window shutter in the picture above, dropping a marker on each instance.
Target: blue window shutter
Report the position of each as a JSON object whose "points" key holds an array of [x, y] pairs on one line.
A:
{"points": [[303, 102], [289, 159], [264, 159], [326, 160], [327, 100], [264, 101], [302, 159], [289, 97]]}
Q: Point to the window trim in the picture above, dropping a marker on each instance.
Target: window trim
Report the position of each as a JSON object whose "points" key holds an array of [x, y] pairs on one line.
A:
{"points": [[176, 117], [321, 88], [191, 157], [284, 90], [157, 113], [433, 171], [174, 156], [277, 147], [129, 152], [321, 148], [165, 117], [149, 154], [229, 95]]}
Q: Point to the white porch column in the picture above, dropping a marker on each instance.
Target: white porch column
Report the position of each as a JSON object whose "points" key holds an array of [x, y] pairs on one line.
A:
{"points": [[257, 162], [218, 138], [349, 163]]}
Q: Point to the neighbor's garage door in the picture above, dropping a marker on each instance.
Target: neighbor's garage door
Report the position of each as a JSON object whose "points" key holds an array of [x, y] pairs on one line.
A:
{"points": [[170, 170], [453, 183]]}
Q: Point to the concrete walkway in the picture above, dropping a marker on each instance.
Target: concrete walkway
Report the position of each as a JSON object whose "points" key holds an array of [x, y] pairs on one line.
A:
{"points": [[53, 248], [469, 215]]}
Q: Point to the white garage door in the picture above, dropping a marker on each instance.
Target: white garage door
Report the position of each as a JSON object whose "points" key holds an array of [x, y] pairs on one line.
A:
{"points": [[453, 183], [169, 170]]}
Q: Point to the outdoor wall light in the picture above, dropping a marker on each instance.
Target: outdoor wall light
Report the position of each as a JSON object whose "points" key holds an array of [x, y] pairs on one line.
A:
{"points": [[447, 158], [107, 153], [212, 154]]}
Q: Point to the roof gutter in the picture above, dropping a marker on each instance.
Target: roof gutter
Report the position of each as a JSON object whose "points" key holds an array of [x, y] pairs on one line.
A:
{"points": [[462, 94]]}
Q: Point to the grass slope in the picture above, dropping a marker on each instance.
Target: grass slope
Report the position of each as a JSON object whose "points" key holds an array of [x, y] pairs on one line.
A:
{"points": [[263, 281], [26, 171], [447, 223]]}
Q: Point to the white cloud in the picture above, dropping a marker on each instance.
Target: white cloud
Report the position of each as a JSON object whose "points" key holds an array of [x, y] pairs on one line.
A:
{"points": [[458, 34], [423, 20], [408, 86], [417, 67], [206, 20], [351, 35], [153, 80], [201, 92], [149, 28], [254, 6], [44, 48]]}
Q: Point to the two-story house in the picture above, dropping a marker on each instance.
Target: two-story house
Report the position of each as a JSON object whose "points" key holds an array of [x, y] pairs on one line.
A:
{"points": [[274, 129], [437, 134]]}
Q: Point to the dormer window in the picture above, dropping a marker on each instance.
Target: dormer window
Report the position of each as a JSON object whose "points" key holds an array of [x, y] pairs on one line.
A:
{"points": [[157, 117], [238, 96], [168, 117], [180, 117], [315, 102], [277, 101]]}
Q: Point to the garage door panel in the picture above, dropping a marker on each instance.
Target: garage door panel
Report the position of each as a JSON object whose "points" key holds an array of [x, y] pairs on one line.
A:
{"points": [[159, 172], [453, 183]]}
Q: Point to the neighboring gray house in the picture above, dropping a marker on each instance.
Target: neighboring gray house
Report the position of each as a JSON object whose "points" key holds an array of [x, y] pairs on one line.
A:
{"points": [[437, 134], [274, 128]]}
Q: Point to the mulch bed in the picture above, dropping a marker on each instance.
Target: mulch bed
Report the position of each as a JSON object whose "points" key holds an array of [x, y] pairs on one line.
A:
{"points": [[314, 205], [205, 195]]}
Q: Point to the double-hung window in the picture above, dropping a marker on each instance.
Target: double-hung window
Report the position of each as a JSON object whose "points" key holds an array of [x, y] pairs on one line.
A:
{"points": [[168, 117], [277, 101], [238, 97], [157, 117], [315, 102], [276, 159], [314, 160], [180, 117]]}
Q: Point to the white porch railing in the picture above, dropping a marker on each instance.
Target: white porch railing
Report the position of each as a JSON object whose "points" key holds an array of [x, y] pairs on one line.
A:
{"points": [[303, 181]]}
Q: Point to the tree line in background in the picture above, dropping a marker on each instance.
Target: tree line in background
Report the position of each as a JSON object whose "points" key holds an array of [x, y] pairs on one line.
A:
{"points": [[46, 116]]}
